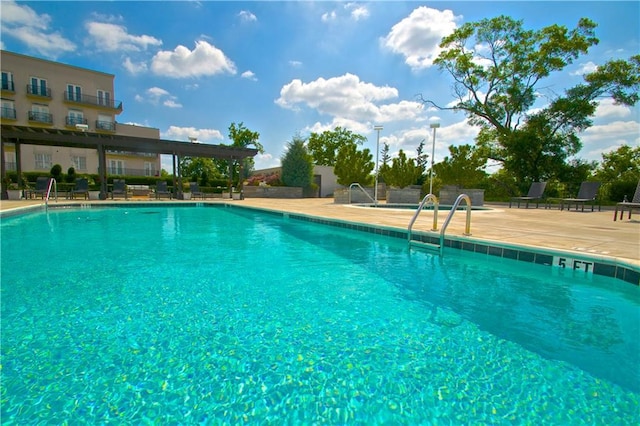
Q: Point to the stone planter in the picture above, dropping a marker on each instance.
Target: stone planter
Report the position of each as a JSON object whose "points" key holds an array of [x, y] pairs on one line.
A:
{"points": [[186, 195], [94, 195], [408, 195], [14, 194]]}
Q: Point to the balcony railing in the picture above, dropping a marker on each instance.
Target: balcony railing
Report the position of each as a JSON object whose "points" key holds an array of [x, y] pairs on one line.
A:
{"points": [[32, 90], [109, 126], [137, 154], [8, 86], [9, 113], [92, 100], [40, 117], [131, 172], [72, 121]]}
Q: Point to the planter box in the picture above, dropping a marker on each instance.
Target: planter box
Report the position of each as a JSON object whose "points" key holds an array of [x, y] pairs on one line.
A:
{"points": [[271, 192], [449, 193], [408, 195], [94, 195], [14, 194]]}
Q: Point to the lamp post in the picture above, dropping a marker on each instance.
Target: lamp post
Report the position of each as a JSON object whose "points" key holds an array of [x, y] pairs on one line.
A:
{"points": [[375, 188], [434, 126]]}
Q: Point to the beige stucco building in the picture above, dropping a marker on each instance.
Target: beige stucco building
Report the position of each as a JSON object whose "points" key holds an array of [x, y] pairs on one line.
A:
{"points": [[50, 95]]}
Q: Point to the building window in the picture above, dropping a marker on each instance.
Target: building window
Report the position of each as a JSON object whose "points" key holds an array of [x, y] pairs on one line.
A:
{"points": [[75, 117], [7, 81], [38, 87], [8, 109], [104, 98], [43, 161], [149, 169], [116, 167], [79, 162], [40, 113], [74, 93], [105, 122]]}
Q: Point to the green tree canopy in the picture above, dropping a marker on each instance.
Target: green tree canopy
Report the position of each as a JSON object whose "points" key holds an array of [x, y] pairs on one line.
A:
{"points": [[324, 147], [354, 166], [297, 164], [244, 138], [497, 66], [464, 167], [403, 171]]}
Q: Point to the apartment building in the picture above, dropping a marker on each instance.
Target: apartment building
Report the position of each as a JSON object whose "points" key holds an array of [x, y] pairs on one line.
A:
{"points": [[43, 94]]}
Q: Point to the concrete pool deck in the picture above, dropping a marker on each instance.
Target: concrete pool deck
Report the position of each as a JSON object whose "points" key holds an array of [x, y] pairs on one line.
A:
{"points": [[583, 233]]}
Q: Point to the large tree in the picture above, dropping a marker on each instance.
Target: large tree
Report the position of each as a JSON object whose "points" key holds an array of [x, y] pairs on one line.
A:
{"points": [[354, 166], [497, 67], [403, 171], [324, 146], [297, 164], [244, 138]]}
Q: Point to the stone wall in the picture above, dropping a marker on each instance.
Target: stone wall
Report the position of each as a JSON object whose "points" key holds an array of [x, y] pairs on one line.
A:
{"points": [[408, 195], [449, 194], [272, 192]]}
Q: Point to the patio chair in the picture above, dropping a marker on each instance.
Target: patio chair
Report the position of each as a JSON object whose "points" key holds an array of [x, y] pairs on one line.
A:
{"points": [[536, 193], [82, 187], [195, 191], [588, 193], [119, 188], [162, 189], [633, 204], [42, 184]]}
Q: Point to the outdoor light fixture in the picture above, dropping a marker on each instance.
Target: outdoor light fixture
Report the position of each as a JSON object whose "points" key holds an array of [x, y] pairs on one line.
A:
{"points": [[375, 188], [434, 126]]}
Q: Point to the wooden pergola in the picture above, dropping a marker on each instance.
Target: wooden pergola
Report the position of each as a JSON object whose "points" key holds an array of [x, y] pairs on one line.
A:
{"points": [[101, 142]]}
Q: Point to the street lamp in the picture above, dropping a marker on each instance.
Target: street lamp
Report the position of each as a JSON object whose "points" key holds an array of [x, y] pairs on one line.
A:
{"points": [[434, 126], [375, 188]]}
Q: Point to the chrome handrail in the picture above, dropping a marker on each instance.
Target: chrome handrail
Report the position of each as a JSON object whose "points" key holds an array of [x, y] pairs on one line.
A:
{"points": [[52, 182], [467, 229], [428, 197], [361, 189]]}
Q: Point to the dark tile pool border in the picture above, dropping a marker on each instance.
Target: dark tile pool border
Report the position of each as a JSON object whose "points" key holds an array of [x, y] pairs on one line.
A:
{"points": [[605, 267]]}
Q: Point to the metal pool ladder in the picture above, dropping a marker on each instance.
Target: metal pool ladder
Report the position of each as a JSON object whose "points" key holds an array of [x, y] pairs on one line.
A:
{"points": [[454, 207], [52, 183], [357, 185]]}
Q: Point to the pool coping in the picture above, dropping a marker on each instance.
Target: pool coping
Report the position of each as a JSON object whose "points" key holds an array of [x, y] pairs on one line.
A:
{"points": [[596, 264]]}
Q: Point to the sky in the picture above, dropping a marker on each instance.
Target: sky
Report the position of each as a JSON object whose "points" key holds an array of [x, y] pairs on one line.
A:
{"points": [[285, 69]]}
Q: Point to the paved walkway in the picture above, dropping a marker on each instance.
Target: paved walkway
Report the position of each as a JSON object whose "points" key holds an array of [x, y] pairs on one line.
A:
{"points": [[593, 233]]}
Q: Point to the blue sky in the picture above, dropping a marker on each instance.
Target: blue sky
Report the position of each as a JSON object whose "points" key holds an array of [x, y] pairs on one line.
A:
{"points": [[191, 68]]}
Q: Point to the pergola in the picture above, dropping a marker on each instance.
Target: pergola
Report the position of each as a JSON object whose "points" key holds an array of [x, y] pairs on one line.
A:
{"points": [[101, 142]]}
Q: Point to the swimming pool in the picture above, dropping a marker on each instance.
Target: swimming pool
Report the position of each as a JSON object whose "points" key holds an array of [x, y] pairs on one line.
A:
{"points": [[224, 315]]}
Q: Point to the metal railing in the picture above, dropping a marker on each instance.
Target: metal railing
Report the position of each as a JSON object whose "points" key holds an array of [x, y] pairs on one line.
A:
{"points": [[92, 100], [425, 200], [52, 183], [36, 90], [357, 185], [41, 117]]}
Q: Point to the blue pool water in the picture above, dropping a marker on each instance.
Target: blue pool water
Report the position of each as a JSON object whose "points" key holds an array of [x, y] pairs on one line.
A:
{"points": [[213, 315]]}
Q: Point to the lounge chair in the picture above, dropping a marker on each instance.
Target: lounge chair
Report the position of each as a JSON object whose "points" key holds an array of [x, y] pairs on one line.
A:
{"points": [[162, 189], [536, 193], [195, 191], [633, 204], [119, 188], [588, 193], [42, 184], [82, 187]]}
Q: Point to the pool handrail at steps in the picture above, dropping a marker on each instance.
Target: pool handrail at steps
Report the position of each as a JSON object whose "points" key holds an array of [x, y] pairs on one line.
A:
{"points": [[52, 183], [454, 207], [357, 185]]}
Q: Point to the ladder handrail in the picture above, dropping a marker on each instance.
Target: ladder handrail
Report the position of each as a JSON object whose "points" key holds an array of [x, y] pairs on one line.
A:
{"points": [[419, 210], [361, 189], [54, 183], [467, 229]]}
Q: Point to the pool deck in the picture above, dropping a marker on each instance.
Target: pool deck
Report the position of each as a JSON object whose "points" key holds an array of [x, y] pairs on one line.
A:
{"points": [[587, 233]]}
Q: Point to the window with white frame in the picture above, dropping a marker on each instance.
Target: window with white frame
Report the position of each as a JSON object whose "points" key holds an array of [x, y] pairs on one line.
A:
{"points": [[43, 161], [7, 81], [38, 86], [104, 98], [8, 109], [74, 93], [149, 168], [79, 162], [105, 122], [40, 113], [116, 167], [75, 117]]}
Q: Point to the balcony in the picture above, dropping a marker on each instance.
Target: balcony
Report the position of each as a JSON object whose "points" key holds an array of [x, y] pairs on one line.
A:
{"points": [[41, 92], [8, 86], [93, 101], [8, 113], [72, 121], [107, 126], [40, 117]]}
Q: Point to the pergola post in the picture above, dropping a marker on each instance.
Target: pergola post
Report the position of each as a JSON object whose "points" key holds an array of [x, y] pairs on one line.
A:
{"points": [[102, 172]]}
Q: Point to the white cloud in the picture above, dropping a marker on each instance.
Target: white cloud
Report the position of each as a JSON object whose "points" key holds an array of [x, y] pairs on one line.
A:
{"points": [[23, 23], [184, 133], [295, 64], [599, 139], [348, 98], [159, 96], [204, 60], [585, 68], [329, 16], [170, 103], [134, 68], [108, 37], [358, 12], [249, 75], [608, 109], [417, 36], [246, 16]]}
